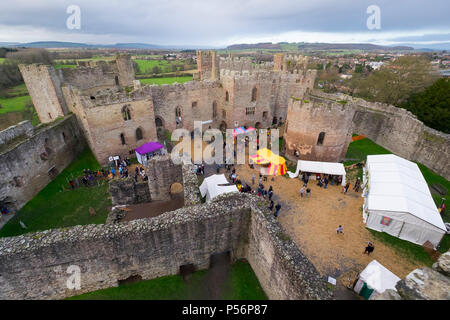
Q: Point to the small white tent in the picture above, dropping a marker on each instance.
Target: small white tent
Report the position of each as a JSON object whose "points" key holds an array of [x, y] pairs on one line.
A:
{"points": [[376, 279], [213, 186], [398, 201], [333, 168]]}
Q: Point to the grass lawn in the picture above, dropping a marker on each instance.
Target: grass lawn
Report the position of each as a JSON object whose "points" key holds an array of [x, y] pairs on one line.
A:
{"points": [[360, 149], [56, 206], [166, 80], [243, 286], [15, 104], [61, 66]]}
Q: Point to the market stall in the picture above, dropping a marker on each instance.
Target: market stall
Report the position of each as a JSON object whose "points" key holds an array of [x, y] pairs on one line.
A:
{"points": [[272, 163], [215, 185], [375, 279], [331, 168], [398, 201], [144, 152]]}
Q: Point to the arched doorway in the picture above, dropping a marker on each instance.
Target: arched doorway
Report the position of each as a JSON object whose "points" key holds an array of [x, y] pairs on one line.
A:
{"points": [[176, 191]]}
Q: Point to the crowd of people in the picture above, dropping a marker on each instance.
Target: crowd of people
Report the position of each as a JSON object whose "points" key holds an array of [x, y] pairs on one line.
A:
{"points": [[116, 169]]}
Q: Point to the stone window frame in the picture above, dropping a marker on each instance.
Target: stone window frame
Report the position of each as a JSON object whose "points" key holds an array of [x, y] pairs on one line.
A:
{"points": [[126, 113], [321, 138], [250, 111]]}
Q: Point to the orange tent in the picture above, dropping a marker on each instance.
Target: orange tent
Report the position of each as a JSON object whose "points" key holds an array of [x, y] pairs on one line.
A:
{"points": [[277, 164]]}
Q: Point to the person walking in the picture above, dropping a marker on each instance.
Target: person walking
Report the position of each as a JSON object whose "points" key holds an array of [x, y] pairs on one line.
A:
{"points": [[369, 249], [347, 186], [302, 191], [340, 229], [271, 205], [308, 192], [277, 210], [270, 193]]}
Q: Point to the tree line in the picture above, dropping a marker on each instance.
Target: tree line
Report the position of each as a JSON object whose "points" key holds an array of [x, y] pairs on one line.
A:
{"points": [[9, 71]]}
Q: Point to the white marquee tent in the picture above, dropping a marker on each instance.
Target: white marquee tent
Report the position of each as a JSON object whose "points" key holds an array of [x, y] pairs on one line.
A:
{"points": [[377, 278], [333, 168], [398, 201], [213, 186]]}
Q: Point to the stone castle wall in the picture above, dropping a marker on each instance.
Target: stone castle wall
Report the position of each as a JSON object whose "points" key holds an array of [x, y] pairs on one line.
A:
{"points": [[24, 128], [29, 164], [339, 116], [399, 131], [33, 266]]}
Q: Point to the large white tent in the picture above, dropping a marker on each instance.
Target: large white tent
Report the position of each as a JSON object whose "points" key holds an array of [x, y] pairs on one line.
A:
{"points": [[333, 168], [398, 201], [376, 278], [215, 185]]}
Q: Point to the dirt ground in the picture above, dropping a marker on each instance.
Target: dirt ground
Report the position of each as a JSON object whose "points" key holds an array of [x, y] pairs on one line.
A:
{"points": [[312, 222]]}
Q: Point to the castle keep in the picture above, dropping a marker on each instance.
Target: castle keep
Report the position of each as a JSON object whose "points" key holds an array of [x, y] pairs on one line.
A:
{"points": [[117, 114]]}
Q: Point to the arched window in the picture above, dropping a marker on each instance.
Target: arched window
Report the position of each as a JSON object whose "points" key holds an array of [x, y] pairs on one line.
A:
{"points": [[227, 96], [178, 112], [214, 110], [116, 80], [158, 122], [138, 134], [126, 113], [122, 138], [321, 138], [254, 94]]}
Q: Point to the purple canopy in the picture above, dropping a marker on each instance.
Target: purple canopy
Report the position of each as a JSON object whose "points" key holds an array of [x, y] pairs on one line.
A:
{"points": [[149, 147]]}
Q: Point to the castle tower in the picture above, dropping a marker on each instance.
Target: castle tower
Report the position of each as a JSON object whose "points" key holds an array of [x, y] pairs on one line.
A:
{"points": [[44, 87], [278, 59], [318, 130], [125, 69], [208, 65]]}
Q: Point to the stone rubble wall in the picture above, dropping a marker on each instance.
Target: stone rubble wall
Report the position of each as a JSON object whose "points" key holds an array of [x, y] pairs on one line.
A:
{"points": [[24, 128], [30, 164], [190, 186], [33, 266], [423, 284], [127, 191], [395, 129]]}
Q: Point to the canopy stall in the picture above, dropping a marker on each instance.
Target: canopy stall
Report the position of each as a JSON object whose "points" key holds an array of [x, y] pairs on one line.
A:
{"points": [[215, 185], [240, 130], [276, 164], [375, 278], [398, 201], [333, 168], [144, 152]]}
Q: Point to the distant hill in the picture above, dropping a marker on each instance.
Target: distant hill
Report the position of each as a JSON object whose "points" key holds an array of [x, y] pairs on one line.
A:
{"points": [[262, 45], [318, 46], [350, 46]]}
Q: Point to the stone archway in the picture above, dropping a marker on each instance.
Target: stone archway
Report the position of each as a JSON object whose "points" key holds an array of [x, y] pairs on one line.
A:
{"points": [[176, 190]]}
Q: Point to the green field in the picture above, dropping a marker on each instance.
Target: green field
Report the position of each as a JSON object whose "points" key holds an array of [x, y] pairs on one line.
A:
{"points": [[166, 80], [2, 60], [61, 66], [15, 104], [58, 206], [361, 148], [242, 285], [165, 66]]}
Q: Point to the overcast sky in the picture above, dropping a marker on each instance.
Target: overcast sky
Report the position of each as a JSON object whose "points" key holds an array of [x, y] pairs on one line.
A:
{"points": [[219, 23]]}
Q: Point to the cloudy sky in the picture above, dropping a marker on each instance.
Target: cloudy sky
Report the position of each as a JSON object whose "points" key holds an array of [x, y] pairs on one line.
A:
{"points": [[219, 23]]}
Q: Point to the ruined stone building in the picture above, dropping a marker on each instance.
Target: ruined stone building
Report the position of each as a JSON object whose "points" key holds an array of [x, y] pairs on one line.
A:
{"points": [[117, 114]]}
